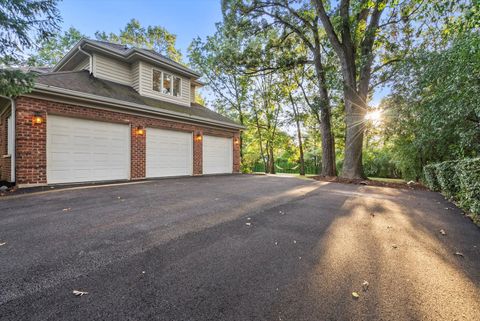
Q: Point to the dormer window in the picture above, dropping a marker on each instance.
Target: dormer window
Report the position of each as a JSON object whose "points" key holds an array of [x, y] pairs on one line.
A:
{"points": [[166, 83]]}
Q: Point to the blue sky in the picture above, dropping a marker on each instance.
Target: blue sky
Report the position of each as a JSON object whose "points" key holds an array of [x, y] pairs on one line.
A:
{"points": [[185, 18]]}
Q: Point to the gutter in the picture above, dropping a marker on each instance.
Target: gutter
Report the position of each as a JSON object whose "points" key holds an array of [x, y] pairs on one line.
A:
{"points": [[14, 153], [132, 106]]}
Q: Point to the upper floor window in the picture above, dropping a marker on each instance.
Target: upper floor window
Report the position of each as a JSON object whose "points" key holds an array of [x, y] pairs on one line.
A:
{"points": [[157, 79], [166, 83]]}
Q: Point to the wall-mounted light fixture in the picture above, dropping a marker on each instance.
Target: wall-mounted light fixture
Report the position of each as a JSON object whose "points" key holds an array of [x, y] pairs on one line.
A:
{"points": [[198, 137], [140, 131], [37, 119]]}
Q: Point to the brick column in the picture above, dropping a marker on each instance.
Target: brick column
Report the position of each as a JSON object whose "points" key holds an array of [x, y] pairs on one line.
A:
{"points": [[138, 152], [197, 153], [236, 153], [31, 142]]}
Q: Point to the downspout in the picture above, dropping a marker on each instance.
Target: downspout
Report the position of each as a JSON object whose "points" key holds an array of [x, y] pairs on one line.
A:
{"points": [[14, 153], [90, 59]]}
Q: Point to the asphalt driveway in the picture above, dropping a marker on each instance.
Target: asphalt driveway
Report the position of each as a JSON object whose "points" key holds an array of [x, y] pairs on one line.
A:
{"points": [[237, 248]]}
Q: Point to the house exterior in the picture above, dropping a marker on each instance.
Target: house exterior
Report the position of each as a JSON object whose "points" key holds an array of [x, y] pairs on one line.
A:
{"points": [[108, 112]]}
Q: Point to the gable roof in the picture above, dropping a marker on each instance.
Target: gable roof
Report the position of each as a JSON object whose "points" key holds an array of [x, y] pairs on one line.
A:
{"points": [[125, 53], [83, 84]]}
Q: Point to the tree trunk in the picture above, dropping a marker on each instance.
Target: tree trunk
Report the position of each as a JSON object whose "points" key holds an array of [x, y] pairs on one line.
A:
{"points": [[259, 133], [241, 135], [299, 134], [328, 141], [271, 160], [355, 120]]}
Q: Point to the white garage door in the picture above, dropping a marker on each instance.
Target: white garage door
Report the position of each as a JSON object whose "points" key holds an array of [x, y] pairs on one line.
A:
{"points": [[217, 155], [81, 150], [169, 153]]}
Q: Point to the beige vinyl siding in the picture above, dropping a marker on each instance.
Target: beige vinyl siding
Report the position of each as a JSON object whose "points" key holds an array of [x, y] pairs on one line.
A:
{"points": [[146, 86], [192, 94], [84, 65], [111, 69], [136, 76]]}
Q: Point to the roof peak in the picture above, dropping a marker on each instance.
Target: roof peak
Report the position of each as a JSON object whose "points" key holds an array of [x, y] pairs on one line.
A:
{"points": [[126, 51]]}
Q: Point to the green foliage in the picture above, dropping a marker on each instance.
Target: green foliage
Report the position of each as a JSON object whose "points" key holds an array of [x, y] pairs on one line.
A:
{"points": [[468, 173], [459, 180], [23, 23], [379, 163], [55, 48], [15, 82], [446, 177], [430, 176], [152, 37], [434, 110]]}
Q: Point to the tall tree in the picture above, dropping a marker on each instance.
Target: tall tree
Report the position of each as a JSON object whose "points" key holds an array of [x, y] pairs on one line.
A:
{"points": [[365, 37], [298, 19], [217, 59], [23, 23], [152, 37], [354, 45]]}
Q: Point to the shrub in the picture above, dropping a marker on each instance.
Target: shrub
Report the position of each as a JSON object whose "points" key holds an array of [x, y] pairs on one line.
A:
{"points": [[469, 184], [446, 174], [459, 180], [429, 173]]}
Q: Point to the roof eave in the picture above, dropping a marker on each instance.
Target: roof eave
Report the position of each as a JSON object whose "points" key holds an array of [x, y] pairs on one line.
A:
{"points": [[41, 88], [69, 55]]}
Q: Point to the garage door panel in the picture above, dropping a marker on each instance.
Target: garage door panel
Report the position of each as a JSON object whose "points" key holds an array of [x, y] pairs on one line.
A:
{"points": [[217, 155], [169, 153], [85, 150]]}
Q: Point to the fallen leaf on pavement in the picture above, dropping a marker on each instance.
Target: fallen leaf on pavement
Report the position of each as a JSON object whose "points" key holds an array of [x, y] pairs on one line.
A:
{"points": [[365, 285], [79, 293], [459, 254], [442, 231], [355, 295], [394, 246]]}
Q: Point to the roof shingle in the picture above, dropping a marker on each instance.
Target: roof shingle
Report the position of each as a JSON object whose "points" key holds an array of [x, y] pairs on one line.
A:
{"points": [[83, 82]]}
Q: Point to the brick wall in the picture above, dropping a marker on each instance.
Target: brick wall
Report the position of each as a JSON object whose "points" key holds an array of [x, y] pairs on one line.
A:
{"points": [[197, 152], [31, 139], [236, 152], [5, 171]]}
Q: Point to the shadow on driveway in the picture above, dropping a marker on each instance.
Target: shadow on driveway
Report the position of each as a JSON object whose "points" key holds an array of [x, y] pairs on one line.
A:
{"points": [[181, 249]]}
